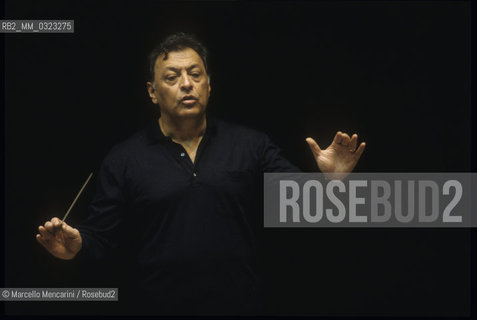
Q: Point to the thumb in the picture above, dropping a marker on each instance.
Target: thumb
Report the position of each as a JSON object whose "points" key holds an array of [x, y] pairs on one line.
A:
{"points": [[315, 148]]}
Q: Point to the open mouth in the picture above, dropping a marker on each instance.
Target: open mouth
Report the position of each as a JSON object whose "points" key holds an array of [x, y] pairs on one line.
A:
{"points": [[189, 100]]}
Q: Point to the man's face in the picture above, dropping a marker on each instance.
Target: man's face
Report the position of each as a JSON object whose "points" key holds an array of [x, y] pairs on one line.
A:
{"points": [[181, 86]]}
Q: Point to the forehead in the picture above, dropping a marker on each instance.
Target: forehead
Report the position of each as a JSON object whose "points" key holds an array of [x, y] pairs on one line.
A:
{"points": [[178, 60]]}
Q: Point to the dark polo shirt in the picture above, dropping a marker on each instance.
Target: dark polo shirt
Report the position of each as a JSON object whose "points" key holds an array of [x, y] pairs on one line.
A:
{"points": [[188, 230]]}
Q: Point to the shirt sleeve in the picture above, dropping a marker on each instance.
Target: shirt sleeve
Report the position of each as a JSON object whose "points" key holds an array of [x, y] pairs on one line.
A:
{"points": [[272, 160], [101, 230]]}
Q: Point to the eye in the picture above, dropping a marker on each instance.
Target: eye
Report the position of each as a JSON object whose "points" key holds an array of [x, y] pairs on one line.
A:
{"points": [[195, 75], [171, 78]]}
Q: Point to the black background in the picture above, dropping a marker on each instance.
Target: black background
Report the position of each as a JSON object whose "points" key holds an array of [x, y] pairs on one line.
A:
{"points": [[397, 73]]}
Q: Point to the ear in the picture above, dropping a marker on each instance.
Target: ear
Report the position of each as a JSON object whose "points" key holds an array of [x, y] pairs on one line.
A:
{"points": [[210, 88], [152, 92]]}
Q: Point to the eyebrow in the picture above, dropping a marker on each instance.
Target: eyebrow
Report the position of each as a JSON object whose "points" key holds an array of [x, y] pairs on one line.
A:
{"points": [[188, 68]]}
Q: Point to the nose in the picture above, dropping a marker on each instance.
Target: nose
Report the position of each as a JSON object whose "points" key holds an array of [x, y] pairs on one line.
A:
{"points": [[186, 83]]}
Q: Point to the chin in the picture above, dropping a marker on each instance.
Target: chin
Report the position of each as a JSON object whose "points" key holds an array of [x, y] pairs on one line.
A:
{"points": [[192, 112]]}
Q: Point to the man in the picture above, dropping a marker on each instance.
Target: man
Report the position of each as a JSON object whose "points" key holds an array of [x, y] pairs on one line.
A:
{"points": [[181, 199]]}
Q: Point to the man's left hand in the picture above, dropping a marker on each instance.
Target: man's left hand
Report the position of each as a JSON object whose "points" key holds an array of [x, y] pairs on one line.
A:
{"points": [[340, 158]]}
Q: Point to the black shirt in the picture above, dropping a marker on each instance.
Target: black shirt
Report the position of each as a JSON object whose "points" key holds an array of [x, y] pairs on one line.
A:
{"points": [[188, 229]]}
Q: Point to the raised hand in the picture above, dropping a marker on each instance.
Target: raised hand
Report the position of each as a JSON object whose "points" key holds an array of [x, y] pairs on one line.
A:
{"points": [[340, 158], [60, 239]]}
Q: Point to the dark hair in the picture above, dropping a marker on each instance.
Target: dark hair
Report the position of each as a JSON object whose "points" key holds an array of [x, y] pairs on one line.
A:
{"points": [[176, 42]]}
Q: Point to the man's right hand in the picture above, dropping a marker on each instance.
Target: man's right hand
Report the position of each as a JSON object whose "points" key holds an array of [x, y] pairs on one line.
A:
{"points": [[62, 241]]}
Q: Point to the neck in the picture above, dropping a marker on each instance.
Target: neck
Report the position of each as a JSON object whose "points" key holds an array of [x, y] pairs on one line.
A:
{"points": [[184, 129]]}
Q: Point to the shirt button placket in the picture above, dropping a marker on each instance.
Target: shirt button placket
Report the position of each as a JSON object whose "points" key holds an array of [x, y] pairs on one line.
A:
{"points": [[194, 174]]}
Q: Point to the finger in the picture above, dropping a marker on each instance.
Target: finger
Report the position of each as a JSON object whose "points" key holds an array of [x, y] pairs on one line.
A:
{"points": [[53, 226], [42, 240], [353, 143], [39, 237], [360, 150], [345, 139], [49, 227], [45, 234], [56, 222], [315, 148], [337, 138]]}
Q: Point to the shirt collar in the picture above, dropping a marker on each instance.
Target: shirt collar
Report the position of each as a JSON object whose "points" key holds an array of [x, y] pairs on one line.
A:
{"points": [[155, 135]]}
